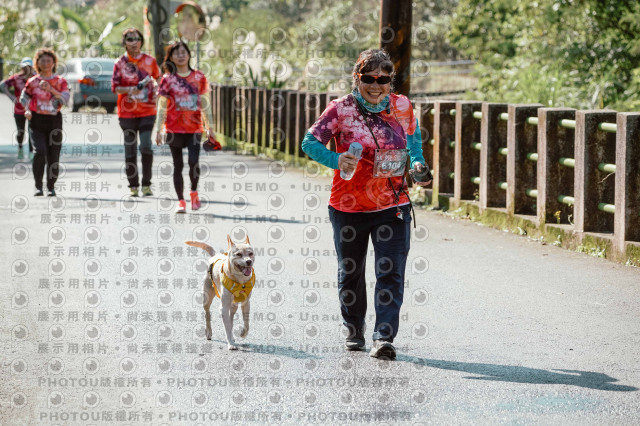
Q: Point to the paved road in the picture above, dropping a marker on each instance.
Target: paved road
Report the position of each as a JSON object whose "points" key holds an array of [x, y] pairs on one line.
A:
{"points": [[101, 322]]}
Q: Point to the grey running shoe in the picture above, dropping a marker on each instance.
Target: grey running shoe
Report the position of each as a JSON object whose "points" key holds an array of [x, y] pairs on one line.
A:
{"points": [[382, 349]]}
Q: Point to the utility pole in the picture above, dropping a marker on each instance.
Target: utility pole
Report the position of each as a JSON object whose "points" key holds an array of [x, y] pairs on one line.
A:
{"points": [[395, 38], [159, 14]]}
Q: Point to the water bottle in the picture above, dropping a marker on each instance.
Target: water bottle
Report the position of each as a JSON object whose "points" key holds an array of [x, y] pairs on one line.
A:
{"points": [[143, 82], [356, 149]]}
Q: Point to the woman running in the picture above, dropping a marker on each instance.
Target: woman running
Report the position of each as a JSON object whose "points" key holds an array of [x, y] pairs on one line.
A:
{"points": [[12, 87], [133, 80], [182, 108], [43, 97]]}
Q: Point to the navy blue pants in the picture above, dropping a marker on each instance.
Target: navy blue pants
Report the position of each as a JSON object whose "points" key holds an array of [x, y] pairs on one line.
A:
{"points": [[391, 239]]}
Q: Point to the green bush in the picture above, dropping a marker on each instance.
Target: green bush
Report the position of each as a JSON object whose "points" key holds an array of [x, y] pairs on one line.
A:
{"points": [[570, 53]]}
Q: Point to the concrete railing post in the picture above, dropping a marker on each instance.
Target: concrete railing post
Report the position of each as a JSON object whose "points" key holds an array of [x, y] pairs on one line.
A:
{"points": [[493, 165], [425, 119], [276, 134], [311, 111], [444, 132], [214, 105], [301, 122], [522, 139], [268, 99], [228, 107], [592, 186], [252, 93], [467, 159], [238, 109], [244, 114], [554, 179], [223, 112], [290, 124], [233, 114], [260, 118], [627, 201]]}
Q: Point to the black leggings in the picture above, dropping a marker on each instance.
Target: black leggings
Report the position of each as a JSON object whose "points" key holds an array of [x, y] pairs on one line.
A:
{"points": [[20, 125], [177, 141], [46, 135]]}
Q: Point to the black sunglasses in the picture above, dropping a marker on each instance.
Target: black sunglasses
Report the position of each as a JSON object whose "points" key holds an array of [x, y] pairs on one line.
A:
{"points": [[370, 79], [131, 39]]}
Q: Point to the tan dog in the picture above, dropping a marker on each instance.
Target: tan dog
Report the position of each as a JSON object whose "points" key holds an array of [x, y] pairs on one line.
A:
{"points": [[230, 276]]}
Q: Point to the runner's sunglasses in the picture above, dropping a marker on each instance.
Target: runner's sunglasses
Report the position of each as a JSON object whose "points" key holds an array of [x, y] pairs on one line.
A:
{"points": [[132, 39], [370, 79]]}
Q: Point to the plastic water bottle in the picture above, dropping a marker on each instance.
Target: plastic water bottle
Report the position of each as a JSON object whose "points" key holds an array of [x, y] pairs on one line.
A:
{"points": [[356, 149], [144, 82]]}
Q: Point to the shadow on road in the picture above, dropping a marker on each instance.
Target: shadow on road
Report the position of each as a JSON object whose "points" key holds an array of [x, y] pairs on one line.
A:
{"points": [[516, 374], [111, 200], [270, 349]]}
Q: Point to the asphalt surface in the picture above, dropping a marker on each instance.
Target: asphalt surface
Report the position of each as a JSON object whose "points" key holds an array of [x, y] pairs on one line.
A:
{"points": [[101, 318]]}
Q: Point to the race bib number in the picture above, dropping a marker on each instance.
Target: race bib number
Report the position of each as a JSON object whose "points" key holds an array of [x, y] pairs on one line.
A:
{"points": [[389, 163], [187, 103], [45, 106]]}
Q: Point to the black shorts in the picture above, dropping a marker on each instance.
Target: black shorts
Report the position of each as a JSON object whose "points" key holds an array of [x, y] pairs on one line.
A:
{"points": [[183, 140]]}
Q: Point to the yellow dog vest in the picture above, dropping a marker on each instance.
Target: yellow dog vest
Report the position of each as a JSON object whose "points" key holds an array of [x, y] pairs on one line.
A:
{"points": [[240, 291]]}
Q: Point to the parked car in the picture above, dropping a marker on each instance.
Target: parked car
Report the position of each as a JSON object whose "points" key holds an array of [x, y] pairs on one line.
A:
{"points": [[89, 82]]}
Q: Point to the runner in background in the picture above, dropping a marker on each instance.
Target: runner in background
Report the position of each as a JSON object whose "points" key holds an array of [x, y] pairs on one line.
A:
{"points": [[43, 97], [12, 87], [182, 109], [134, 77]]}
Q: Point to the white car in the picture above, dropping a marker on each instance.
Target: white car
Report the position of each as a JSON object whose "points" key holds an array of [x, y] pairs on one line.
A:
{"points": [[89, 82]]}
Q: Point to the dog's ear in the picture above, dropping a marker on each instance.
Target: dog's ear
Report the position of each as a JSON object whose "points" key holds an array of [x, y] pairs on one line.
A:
{"points": [[229, 242], [246, 240]]}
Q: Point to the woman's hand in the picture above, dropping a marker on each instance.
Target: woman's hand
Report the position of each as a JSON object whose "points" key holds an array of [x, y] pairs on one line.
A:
{"points": [[27, 115], [44, 85], [421, 168], [159, 138], [347, 162]]}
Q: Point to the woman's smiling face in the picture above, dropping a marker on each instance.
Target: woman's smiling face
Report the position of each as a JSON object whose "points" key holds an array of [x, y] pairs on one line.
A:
{"points": [[374, 92], [180, 56]]}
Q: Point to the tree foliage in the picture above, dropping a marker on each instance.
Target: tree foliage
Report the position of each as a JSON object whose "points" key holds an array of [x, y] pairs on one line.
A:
{"points": [[572, 53]]}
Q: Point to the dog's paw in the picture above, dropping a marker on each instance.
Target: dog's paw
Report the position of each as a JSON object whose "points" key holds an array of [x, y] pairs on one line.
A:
{"points": [[232, 347], [244, 332]]}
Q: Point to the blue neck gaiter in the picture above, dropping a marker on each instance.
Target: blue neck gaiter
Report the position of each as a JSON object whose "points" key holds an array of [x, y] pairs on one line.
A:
{"points": [[375, 108]]}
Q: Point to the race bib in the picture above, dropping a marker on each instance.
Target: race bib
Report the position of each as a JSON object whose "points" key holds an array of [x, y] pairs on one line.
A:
{"points": [[187, 103], [389, 163], [45, 106]]}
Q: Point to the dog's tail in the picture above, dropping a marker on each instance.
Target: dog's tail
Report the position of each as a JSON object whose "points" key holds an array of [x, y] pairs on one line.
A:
{"points": [[203, 246]]}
